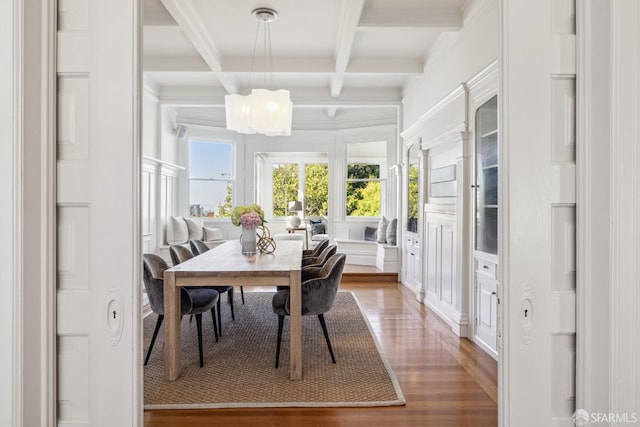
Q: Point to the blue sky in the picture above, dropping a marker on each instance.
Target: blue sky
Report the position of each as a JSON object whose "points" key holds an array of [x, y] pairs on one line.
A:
{"points": [[209, 160]]}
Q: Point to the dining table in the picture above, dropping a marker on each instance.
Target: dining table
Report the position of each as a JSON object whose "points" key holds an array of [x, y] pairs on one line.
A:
{"points": [[225, 264]]}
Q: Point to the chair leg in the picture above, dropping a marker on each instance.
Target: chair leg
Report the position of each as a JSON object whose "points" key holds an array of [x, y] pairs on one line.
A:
{"points": [[280, 325], [233, 316], [219, 319], [326, 336], [199, 326], [242, 294], [215, 322], [153, 339]]}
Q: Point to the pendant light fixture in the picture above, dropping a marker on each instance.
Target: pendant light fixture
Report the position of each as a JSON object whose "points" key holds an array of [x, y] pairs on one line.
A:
{"points": [[264, 111]]}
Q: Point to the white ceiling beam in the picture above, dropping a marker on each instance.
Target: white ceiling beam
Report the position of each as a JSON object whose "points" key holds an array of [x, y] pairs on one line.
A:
{"points": [[351, 12], [402, 19], [325, 65], [374, 66], [193, 27], [301, 97], [280, 65], [175, 63]]}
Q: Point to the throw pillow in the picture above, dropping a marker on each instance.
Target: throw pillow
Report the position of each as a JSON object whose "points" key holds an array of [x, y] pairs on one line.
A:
{"points": [[194, 225], [317, 228], [382, 230], [211, 234], [391, 231], [370, 234], [177, 232]]}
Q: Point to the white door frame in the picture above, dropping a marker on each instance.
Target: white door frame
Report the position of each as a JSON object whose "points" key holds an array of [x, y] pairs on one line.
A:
{"points": [[19, 371], [28, 212], [10, 213]]}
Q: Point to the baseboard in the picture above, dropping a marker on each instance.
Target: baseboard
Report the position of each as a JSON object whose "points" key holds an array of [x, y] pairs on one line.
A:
{"points": [[370, 278]]}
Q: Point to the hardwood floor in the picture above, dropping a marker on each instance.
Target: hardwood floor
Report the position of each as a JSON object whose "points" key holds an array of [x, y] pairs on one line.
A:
{"points": [[446, 381]]}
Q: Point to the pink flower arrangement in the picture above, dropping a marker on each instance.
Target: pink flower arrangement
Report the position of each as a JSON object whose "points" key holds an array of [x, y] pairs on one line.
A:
{"points": [[250, 220]]}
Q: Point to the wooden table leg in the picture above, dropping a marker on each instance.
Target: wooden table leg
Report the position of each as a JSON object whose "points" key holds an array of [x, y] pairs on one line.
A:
{"points": [[295, 328], [172, 338]]}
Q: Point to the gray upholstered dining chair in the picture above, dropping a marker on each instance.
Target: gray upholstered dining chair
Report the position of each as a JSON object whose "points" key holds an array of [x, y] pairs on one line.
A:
{"points": [[317, 250], [320, 259], [312, 265], [318, 296], [198, 247], [180, 254], [193, 301]]}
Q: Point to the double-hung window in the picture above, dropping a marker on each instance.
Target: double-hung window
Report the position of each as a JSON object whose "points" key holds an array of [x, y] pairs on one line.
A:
{"points": [[211, 178], [366, 178], [285, 187], [305, 182], [286, 177]]}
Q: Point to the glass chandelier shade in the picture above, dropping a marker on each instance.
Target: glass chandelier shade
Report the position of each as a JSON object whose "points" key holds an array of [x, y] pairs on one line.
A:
{"points": [[263, 111]]}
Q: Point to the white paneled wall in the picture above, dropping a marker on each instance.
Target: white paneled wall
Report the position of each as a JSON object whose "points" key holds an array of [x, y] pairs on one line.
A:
{"points": [[160, 187]]}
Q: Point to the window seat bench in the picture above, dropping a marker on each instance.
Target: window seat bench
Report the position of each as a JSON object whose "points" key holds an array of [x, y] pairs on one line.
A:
{"points": [[363, 252]]}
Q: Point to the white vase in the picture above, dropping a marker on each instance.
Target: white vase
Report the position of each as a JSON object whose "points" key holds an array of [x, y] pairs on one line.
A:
{"points": [[248, 241]]}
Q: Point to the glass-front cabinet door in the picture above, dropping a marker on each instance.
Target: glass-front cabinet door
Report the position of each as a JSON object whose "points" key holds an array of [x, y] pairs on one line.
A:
{"points": [[486, 155], [413, 190]]}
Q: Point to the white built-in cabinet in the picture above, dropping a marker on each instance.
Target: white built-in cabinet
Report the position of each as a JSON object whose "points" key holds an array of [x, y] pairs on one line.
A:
{"points": [[483, 113], [446, 229], [412, 241], [440, 258], [451, 260]]}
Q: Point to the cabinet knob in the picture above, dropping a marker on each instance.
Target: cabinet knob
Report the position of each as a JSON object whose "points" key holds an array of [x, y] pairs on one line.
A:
{"points": [[494, 293]]}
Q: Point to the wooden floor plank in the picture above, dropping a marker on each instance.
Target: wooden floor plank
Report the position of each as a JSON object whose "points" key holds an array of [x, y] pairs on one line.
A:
{"points": [[447, 381]]}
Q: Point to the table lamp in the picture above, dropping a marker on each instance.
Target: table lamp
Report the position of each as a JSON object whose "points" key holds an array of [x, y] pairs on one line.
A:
{"points": [[294, 207]]}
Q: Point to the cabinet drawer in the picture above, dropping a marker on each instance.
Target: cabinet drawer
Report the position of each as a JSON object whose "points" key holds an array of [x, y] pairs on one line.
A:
{"points": [[488, 268]]}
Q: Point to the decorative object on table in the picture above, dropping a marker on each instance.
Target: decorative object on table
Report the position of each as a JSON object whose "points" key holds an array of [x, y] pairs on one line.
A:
{"points": [[295, 207], [265, 244], [196, 210], [249, 217]]}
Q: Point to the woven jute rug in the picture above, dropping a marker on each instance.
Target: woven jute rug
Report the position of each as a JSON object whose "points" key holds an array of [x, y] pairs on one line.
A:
{"points": [[239, 369]]}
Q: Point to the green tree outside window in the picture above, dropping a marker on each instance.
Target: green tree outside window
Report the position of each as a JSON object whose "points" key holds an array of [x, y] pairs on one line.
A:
{"points": [[363, 190], [316, 189], [285, 187]]}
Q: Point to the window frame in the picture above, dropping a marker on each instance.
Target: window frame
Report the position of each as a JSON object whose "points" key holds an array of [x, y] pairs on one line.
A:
{"points": [[264, 186], [381, 162], [231, 179]]}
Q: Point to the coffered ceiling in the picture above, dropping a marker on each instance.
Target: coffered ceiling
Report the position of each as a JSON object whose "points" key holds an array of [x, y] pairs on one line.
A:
{"points": [[342, 60]]}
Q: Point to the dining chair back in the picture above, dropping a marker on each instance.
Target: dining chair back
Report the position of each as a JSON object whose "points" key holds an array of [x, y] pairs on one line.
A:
{"points": [[192, 301], [317, 250], [320, 259], [180, 254], [198, 246], [318, 296]]}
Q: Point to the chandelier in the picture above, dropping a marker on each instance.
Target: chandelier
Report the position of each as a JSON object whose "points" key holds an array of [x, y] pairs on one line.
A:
{"points": [[264, 111]]}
